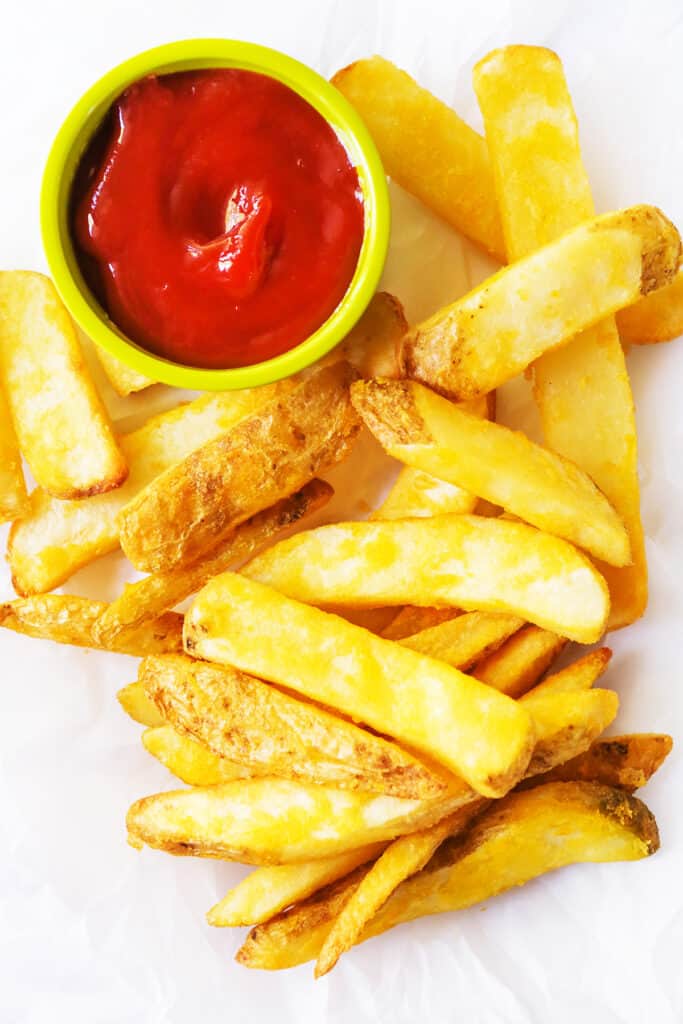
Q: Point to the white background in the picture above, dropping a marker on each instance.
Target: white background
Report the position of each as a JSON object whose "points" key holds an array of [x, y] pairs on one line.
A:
{"points": [[92, 932]]}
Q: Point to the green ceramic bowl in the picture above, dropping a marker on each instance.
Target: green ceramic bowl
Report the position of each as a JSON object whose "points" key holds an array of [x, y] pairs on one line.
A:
{"points": [[73, 138]]}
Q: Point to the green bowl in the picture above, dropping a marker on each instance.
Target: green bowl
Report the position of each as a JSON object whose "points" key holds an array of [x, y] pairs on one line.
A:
{"points": [[73, 138]]}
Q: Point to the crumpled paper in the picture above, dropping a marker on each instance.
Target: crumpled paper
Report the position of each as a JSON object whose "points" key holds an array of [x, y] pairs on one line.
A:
{"points": [[92, 932]]}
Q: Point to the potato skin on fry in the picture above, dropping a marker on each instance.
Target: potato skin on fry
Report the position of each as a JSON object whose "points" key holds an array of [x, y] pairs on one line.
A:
{"points": [[626, 762], [185, 512]]}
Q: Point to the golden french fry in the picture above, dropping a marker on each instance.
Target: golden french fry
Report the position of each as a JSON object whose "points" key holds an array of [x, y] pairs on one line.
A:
{"points": [[423, 703], [67, 619], [189, 760], [580, 675], [582, 390], [155, 594], [138, 706], [470, 562], [268, 890], [426, 147], [540, 302], [657, 317], [247, 721], [627, 762], [416, 494], [411, 619], [429, 433], [63, 428], [13, 497], [58, 537], [191, 508], [372, 345], [525, 835], [465, 639], [124, 379], [567, 723], [521, 661], [374, 619], [273, 821]]}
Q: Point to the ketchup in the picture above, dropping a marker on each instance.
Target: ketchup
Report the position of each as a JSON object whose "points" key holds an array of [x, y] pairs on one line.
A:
{"points": [[217, 217]]}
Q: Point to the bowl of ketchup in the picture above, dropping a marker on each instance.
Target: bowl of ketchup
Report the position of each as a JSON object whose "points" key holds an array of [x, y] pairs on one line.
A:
{"points": [[214, 214]]}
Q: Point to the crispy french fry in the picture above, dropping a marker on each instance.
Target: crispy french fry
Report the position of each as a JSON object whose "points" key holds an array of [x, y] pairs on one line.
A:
{"points": [[155, 594], [13, 496], [416, 494], [542, 301], [268, 890], [567, 723], [429, 433], [58, 537], [62, 426], [189, 760], [657, 317], [423, 703], [273, 821], [580, 675], [191, 508], [515, 839], [426, 147], [411, 620], [67, 619], [372, 345], [582, 390], [627, 762], [138, 706], [124, 379], [521, 661], [247, 721], [469, 562], [463, 640]]}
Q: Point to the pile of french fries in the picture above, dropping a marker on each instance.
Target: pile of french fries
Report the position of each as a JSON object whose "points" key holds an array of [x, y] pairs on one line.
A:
{"points": [[363, 710]]}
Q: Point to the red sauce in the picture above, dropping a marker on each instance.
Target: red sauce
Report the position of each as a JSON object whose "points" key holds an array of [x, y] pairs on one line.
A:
{"points": [[217, 217]]}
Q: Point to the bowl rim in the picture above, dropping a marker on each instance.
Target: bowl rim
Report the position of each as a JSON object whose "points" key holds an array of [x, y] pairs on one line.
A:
{"points": [[77, 130]]}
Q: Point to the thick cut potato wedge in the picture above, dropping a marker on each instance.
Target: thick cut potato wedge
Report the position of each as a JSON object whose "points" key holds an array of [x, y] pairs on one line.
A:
{"points": [[63, 429], [567, 723], [58, 537], [189, 760], [416, 494], [245, 720], [13, 496], [267, 891], [542, 301], [67, 619], [273, 821], [124, 379], [469, 562], [580, 675], [657, 317], [627, 762], [465, 639], [426, 148], [155, 594], [582, 390], [429, 706], [411, 619], [138, 706], [429, 433], [521, 661], [514, 840], [191, 508]]}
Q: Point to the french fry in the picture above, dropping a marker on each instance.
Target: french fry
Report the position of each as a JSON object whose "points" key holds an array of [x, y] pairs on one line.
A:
{"points": [[426, 148], [188, 510], [372, 345], [374, 619], [525, 835], [411, 620], [266, 891], [13, 497], [580, 675], [57, 538], [138, 706], [463, 640], [124, 379], [416, 494], [189, 760], [429, 433], [469, 562], [155, 594], [567, 723], [521, 661], [273, 821], [582, 390], [67, 619], [423, 703], [657, 317], [627, 762], [542, 301], [62, 426], [247, 721]]}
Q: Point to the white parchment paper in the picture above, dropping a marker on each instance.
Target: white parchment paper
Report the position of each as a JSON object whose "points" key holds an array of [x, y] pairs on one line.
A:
{"points": [[92, 932]]}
